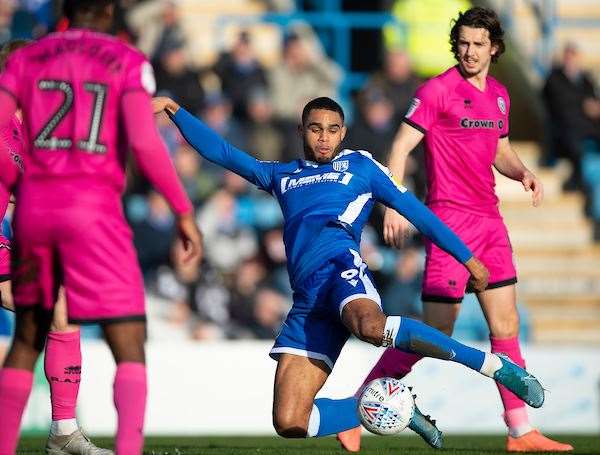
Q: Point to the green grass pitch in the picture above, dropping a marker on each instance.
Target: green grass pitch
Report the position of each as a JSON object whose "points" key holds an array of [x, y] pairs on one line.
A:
{"points": [[463, 445]]}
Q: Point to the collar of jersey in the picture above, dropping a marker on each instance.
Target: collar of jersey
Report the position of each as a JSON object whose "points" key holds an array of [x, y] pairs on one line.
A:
{"points": [[345, 152]]}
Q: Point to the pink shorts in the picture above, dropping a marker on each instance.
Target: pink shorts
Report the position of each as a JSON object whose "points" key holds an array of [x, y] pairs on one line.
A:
{"points": [[445, 279], [4, 259], [88, 251]]}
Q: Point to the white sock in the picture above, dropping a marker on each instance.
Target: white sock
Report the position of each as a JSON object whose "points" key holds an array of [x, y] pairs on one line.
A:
{"points": [[313, 422], [63, 427], [491, 364]]}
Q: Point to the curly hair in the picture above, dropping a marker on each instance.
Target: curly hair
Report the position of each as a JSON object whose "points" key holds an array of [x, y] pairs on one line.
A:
{"points": [[479, 17]]}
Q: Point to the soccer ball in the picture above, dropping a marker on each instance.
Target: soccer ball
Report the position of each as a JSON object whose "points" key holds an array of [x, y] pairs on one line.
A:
{"points": [[386, 406]]}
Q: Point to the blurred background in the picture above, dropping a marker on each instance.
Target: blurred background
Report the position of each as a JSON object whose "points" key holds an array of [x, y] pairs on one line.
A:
{"points": [[247, 67]]}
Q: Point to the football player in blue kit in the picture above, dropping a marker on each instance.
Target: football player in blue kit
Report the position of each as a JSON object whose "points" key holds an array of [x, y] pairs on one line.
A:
{"points": [[326, 199]]}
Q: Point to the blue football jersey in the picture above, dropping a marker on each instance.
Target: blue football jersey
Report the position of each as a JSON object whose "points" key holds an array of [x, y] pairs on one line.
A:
{"points": [[325, 205]]}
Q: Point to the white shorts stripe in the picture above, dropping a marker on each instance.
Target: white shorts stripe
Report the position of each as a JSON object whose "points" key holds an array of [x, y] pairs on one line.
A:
{"points": [[301, 352]]}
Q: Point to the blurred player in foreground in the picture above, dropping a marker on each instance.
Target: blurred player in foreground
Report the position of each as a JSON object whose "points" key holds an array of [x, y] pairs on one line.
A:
{"points": [[463, 115], [84, 97], [326, 199], [62, 358]]}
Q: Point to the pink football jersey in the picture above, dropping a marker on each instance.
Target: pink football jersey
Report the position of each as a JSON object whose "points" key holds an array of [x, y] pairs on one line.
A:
{"points": [[462, 126], [11, 164], [70, 87]]}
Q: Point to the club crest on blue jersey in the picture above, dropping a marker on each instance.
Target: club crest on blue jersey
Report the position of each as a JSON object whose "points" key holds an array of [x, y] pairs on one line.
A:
{"points": [[341, 165], [501, 105]]}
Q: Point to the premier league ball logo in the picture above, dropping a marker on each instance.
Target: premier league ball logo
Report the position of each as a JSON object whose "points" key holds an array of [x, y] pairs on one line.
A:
{"points": [[501, 105]]}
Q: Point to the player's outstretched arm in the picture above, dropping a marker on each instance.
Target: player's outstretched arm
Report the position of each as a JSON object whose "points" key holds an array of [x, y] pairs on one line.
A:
{"points": [[213, 147], [509, 164], [393, 195], [395, 226]]}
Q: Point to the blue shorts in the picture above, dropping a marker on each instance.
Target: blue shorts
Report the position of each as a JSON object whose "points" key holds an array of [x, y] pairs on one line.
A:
{"points": [[313, 327]]}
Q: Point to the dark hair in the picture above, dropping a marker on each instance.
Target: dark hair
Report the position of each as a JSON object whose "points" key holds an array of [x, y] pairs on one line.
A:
{"points": [[479, 17], [8, 49], [321, 103], [73, 7]]}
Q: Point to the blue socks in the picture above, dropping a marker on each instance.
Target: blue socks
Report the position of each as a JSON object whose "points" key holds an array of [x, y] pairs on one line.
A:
{"points": [[414, 336], [332, 416]]}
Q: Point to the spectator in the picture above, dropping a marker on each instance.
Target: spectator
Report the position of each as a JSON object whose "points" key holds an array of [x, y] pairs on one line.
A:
{"points": [[176, 78], [198, 183], [302, 75], [397, 82], [264, 139], [574, 111], [217, 114], [7, 10], [153, 234], [375, 128], [269, 308], [226, 243], [156, 24], [241, 74], [403, 296]]}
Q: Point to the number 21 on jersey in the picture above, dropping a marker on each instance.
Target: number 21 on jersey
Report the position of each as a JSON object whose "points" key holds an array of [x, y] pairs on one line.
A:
{"points": [[45, 140]]}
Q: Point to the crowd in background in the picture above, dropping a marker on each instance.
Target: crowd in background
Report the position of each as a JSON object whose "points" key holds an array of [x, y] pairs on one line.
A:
{"points": [[241, 289]]}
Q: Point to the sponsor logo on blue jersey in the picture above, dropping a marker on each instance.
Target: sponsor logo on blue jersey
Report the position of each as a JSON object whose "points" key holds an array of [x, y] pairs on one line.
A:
{"points": [[288, 183]]}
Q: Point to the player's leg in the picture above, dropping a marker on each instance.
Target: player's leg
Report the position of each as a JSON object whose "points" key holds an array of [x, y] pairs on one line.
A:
{"points": [[126, 341], [365, 320], [397, 364], [16, 375], [296, 413], [499, 308], [307, 347], [62, 365], [103, 283]]}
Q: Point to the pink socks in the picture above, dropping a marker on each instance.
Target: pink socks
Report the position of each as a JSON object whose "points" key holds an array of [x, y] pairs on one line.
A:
{"points": [[515, 414], [393, 363], [130, 401], [15, 387], [62, 364]]}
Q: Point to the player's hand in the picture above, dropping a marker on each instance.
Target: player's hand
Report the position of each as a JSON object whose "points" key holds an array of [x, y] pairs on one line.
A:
{"points": [[396, 228], [532, 183], [164, 103], [479, 274], [190, 237]]}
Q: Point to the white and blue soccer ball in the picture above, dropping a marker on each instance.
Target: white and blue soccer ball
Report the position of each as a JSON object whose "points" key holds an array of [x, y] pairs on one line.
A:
{"points": [[386, 406]]}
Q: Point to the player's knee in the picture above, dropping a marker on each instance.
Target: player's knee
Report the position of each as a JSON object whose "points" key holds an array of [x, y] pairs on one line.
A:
{"points": [[289, 423], [443, 325]]}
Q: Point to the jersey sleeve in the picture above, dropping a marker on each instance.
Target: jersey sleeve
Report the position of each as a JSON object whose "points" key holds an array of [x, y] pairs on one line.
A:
{"points": [[150, 152], [214, 148], [139, 76], [11, 75], [424, 108], [389, 192]]}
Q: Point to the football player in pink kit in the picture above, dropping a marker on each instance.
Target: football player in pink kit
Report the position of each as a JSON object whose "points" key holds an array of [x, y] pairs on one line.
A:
{"points": [[463, 116], [62, 359], [85, 98]]}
